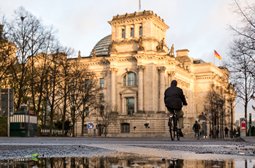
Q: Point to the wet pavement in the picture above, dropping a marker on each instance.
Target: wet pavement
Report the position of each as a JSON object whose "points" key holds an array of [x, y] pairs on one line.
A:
{"points": [[188, 150], [123, 162]]}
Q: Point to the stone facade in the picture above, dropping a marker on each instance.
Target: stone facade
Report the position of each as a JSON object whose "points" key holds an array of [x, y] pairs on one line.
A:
{"points": [[137, 66]]}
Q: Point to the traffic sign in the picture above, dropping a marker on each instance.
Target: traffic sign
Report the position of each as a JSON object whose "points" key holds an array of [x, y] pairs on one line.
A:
{"points": [[90, 126]]}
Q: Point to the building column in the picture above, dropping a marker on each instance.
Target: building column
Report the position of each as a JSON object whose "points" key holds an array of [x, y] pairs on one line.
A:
{"points": [[140, 88], [162, 89], [172, 77], [113, 87]]}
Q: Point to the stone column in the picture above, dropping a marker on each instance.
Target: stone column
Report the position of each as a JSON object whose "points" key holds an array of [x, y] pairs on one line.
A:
{"points": [[172, 76], [162, 89], [140, 88], [113, 87]]}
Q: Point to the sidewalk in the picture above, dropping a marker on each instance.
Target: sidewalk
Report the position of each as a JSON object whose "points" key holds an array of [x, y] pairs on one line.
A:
{"points": [[250, 139]]}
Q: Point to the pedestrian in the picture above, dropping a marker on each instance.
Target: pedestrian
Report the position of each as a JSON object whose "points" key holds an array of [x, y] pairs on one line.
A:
{"points": [[196, 128], [217, 133], [226, 132], [234, 132], [211, 133]]}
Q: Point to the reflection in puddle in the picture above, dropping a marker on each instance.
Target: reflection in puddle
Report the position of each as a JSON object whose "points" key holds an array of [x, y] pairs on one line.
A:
{"points": [[116, 162]]}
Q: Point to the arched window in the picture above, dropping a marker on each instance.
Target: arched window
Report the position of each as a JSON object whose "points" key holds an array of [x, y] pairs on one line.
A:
{"points": [[130, 79]]}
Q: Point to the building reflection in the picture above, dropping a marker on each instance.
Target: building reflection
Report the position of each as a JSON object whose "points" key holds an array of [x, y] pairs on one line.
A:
{"points": [[116, 162]]}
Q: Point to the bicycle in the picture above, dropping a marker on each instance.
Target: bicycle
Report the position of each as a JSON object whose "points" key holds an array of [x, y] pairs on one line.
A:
{"points": [[173, 129]]}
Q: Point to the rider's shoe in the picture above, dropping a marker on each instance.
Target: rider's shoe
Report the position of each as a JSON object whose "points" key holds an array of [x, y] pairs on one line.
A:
{"points": [[180, 133]]}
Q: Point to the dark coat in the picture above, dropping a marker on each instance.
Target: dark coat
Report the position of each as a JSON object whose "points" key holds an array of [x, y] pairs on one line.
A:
{"points": [[174, 98]]}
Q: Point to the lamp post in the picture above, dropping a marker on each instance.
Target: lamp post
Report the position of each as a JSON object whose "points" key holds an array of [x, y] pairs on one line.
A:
{"points": [[231, 132], [8, 100], [28, 132], [221, 119]]}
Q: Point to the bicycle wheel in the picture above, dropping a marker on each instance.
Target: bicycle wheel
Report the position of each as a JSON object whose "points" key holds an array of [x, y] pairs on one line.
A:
{"points": [[175, 132], [170, 129]]}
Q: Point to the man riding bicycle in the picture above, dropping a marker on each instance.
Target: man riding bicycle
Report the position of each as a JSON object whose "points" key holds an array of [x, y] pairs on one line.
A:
{"points": [[174, 100]]}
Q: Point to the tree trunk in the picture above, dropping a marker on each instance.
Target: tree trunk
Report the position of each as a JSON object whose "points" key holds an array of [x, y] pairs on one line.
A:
{"points": [[64, 112], [245, 101], [73, 126], [105, 133], [82, 121]]}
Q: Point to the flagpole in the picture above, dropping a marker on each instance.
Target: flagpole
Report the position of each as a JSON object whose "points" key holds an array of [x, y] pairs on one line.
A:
{"points": [[214, 58], [139, 5]]}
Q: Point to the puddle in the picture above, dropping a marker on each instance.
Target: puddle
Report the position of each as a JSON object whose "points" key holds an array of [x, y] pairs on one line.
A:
{"points": [[119, 162]]}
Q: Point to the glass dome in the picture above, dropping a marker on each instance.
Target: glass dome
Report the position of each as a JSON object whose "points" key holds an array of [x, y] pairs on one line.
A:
{"points": [[101, 48]]}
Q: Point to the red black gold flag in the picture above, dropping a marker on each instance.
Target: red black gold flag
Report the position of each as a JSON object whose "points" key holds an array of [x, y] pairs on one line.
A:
{"points": [[217, 55]]}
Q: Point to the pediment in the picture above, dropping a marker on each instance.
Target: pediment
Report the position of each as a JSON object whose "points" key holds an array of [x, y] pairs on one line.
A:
{"points": [[128, 91]]}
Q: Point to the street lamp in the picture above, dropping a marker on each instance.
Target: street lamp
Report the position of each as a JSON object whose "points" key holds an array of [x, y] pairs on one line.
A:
{"points": [[221, 119], [231, 133], [29, 100]]}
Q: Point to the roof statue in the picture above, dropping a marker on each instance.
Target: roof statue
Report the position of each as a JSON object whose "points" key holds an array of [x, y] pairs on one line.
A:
{"points": [[112, 47], [161, 44], [171, 53], [79, 54], [140, 44], [94, 53]]}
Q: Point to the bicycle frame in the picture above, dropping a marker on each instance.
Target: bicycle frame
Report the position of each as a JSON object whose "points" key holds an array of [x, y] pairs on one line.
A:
{"points": [[173, 119]]}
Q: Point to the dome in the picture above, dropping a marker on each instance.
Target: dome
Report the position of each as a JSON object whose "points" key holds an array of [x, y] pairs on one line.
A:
{"points": [[101, 48]]}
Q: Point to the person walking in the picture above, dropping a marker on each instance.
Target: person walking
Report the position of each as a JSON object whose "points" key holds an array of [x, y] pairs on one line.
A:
{"points": [[196, 128], [217, 133], [226, 132], [234, 132]]}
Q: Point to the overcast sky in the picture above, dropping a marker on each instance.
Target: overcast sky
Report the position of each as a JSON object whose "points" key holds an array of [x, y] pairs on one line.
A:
{"points": [[201, 26]]}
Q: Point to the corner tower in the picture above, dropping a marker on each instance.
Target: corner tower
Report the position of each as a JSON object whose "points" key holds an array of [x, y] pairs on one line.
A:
{"points": [[138, 31]]}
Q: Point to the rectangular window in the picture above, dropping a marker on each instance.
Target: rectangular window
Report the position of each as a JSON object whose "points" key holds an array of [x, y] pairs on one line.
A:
{"points": [[136, 80], [140, 30], [87, 111], [123, 33], [132, 32], [125, 128], [101, 97], [101, 110], [130, 105], [131, 79], [101, 82], [86, 83], [22, 125]]}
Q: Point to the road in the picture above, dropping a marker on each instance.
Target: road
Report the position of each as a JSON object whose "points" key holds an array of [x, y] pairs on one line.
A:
{"points": [[12, 148]]}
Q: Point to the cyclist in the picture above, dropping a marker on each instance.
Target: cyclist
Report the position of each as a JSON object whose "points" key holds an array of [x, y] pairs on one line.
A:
{"points": [[174, 100], [196, 128]]}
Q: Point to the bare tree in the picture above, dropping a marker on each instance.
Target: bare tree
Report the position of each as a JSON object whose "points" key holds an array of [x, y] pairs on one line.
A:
{"points": [[7, 56], [217, 100], [30, 37], [82, 92], [242, 53], [64, 87], [108, 115], [53, 90]]}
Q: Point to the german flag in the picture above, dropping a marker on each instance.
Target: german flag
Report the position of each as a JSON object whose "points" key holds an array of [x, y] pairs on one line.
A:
{"points": [[217, 55]]}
